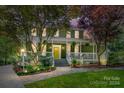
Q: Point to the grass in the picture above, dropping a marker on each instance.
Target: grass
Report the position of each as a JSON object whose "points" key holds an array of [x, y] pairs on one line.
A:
{"points": [[95, 79]]}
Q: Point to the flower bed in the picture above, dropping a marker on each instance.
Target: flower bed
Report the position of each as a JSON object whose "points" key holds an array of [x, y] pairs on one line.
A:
{"points": [[29, 70], [29, 67]]}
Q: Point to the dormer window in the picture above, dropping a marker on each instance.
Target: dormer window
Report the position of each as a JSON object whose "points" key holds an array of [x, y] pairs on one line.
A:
{"points": [[44, 32], [34, 32], [68, 35], [76, 34], [56, 34]]}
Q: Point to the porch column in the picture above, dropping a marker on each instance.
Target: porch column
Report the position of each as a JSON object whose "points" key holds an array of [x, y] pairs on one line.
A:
{"points": [[80, 50], [96, 53], [93, 51], [52, 55], [52, 47]]}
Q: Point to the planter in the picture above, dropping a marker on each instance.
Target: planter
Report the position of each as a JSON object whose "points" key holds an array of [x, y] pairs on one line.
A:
{"points": [[76, 65]]}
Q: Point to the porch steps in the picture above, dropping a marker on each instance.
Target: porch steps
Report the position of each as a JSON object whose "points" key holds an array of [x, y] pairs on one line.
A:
{"points": [[61, 62]]}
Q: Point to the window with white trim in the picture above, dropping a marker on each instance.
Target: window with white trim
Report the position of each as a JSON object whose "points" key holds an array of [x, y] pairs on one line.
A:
{"points": [[76, 48], [76, 34], [44, 32], [68, 35], [44, 50], [56, 34], [34, 32], [68, 48]]}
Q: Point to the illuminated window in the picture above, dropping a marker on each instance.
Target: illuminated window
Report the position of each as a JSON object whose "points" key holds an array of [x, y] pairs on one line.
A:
{"points": [[34, 47], [56, 34], [44, 32], [76, 48], [76, 34], [44, 50], [68, 47], [34, 32], [68, 35]]}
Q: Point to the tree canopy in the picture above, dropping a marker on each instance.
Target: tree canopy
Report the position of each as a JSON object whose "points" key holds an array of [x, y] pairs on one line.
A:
{"points": [[103, 23]]}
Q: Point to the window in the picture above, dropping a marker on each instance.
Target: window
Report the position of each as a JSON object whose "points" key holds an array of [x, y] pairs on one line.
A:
{"points": [[44, 50], [76, 48], [56, 34], [76, 34], [34, 32], [68, 47], [44, 32], [68, 35], [34, 47]]}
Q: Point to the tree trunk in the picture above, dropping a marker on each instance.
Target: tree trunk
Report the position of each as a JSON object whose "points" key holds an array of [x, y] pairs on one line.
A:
{"points": [[5, 57], [98, 50], [98, 59]]}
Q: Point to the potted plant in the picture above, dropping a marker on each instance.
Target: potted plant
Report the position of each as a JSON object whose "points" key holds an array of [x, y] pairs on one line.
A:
{"points": [[74, 62], [78, 64]]}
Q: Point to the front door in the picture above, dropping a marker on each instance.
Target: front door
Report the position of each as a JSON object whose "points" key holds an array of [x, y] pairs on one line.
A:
{"points": [[56, 53]]}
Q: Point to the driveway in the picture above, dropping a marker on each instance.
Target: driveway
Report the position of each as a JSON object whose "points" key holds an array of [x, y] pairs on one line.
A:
{"points": [[59, 71], [8, 78]]}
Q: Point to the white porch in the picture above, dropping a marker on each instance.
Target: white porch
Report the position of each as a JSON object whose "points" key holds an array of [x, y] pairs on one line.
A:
{"points": [[83, 58]]}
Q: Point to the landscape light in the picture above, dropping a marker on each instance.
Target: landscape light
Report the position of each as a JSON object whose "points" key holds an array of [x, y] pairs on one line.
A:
{"points": [[22, 50]]}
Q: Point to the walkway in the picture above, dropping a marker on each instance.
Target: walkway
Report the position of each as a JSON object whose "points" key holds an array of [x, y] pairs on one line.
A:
{"points": [[8, 78], [59, 71]]}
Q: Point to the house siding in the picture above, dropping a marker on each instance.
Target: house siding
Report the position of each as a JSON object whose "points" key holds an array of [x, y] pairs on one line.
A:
{"points": [[81, 34], [62, 33], [63, 51], [49, 48], [72, 34]]}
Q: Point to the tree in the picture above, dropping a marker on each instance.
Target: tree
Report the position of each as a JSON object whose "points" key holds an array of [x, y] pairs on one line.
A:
{"points": [[103, 24], [7, 50], [19, 21]]}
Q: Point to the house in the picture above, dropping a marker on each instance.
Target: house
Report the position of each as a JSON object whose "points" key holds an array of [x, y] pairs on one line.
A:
{"points": [[69, 45]]}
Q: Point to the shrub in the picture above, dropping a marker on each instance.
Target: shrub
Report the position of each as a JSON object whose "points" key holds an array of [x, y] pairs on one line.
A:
{"points": [[87, 44], [78, 63], [45, 61], [116, 58], [74, 62], [29, 68], [47, 69], [37, 67]]}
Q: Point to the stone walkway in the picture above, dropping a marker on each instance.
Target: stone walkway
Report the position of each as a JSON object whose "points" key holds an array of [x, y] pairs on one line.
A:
{"points": [[8, 78], [59, 71]]}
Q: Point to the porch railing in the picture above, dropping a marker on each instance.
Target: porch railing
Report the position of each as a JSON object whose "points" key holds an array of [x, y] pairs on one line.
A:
{"points": [[84, 57]]}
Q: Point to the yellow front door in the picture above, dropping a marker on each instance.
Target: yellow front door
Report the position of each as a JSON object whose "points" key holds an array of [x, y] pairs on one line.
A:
{"points": [[56, 52]]}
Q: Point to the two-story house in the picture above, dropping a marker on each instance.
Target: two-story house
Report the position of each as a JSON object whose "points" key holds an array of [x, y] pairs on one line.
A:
{"points": [[74, 44]]}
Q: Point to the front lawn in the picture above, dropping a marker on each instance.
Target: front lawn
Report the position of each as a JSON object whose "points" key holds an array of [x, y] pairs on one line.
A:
{"points": [[106, 78]]}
